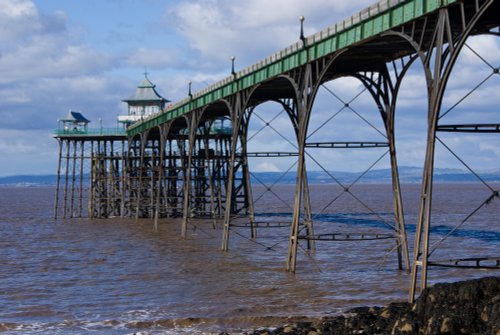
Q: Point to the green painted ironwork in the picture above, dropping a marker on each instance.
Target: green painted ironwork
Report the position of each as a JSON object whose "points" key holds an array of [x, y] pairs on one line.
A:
{"points": [[366, 24], [89, 132]]}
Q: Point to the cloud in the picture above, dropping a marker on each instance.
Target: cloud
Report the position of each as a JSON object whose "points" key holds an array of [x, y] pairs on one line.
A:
{"points": [[250, 30], [27, 152], [47, 69], [45, 58], [19, 20], [265, 167], [158, 58], [38, 104], [35, 46], [484, 47], [50, 63]]}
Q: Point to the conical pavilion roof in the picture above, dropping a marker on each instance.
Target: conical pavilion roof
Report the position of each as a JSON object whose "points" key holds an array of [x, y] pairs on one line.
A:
{"points": [[146, 92]]}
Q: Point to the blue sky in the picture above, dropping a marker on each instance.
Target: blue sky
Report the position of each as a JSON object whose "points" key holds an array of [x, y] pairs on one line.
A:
{"points": [[88, 55]]}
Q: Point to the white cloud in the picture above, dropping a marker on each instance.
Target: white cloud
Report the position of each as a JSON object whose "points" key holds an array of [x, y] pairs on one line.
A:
{"points": [[27, 152], [413, 90], [18, 8], [490, 149], [49, 66], [13, 96], [36, 53], [411, 152], [151, 58], [47, 69], [251, 30], [265, 167], [345, 87], [486, 46], [39, 103]]}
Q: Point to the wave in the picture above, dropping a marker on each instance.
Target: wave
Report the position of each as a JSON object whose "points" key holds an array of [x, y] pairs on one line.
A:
{"points": [[191, 325]]}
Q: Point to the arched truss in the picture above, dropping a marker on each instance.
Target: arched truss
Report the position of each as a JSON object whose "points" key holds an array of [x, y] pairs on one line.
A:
{"points": [[162, 165], [437, 41], [281, 90], [383, 89], [207, 162]]}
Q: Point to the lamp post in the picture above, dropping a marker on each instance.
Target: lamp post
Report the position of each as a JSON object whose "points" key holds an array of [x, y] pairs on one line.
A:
{"points": [[232, 66], [301, 19]]}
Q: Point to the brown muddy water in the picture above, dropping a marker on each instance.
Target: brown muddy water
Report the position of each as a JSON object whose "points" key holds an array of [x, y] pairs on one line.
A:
{"points": [[119, 276]]}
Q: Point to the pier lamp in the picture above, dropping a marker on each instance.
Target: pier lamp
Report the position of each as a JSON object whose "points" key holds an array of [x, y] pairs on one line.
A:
{"points": [[301, 19], [189, 89], [232, 66]]}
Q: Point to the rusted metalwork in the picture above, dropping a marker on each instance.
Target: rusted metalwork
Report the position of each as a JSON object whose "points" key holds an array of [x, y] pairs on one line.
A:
{"points": [[58, 179], [173, 164], [469, 128], [348, 237], [350, 145], [439, 58], [484, 263]]}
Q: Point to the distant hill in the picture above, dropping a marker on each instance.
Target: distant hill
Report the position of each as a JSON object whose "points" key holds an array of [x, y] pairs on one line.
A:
{"points": [[28, 180], [407, 175]]}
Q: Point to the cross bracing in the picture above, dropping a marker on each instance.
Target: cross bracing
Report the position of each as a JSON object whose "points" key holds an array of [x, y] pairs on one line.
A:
{"points": [[366, 27], [179, 163]]}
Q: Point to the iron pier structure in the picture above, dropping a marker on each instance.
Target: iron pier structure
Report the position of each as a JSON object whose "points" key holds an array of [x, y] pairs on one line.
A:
{"points": [[91, 174], [191, 159]]}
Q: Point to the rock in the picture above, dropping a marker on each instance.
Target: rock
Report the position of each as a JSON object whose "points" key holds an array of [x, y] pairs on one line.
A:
{"points": [[402, 326], [466, 307], [469, 307], [365, 320], [4, 326]]}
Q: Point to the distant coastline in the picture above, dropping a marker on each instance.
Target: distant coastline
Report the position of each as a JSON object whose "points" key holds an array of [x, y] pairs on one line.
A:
{"points": [[408, 175], [28, 181]]}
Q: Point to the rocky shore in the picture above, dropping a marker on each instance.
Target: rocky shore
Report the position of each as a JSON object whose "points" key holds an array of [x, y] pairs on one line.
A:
{"points": [[468, 307]]}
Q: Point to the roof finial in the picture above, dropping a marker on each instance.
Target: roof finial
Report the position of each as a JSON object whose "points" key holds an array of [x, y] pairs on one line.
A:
{"points": [[146, 72]]}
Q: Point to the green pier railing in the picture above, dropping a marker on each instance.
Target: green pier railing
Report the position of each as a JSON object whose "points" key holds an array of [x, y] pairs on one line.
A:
{"points": [[369, 22], [92, 132]]}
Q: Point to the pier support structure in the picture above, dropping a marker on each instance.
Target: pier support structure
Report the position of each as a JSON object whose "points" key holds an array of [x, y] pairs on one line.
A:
{"points": [[107, 178], [380, 85], [438, 56], [90, 170], [180, 169], [175, 163], [73, 156]]}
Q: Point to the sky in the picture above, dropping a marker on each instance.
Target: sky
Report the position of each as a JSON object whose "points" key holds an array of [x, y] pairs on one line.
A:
{"points": [[88, 55]]}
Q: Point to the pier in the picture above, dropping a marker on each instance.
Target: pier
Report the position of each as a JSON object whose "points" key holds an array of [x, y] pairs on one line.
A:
{"points": [[191, 159]]}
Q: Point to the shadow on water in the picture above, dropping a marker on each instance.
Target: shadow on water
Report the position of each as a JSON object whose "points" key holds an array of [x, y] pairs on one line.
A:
{"points": [[360, 219]]}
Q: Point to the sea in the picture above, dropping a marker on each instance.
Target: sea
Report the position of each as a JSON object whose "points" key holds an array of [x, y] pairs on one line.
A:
{"points": [[121, 276]]}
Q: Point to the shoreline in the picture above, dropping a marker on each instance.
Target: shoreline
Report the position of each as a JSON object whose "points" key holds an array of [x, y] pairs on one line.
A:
{"points": [[464, 307]]}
